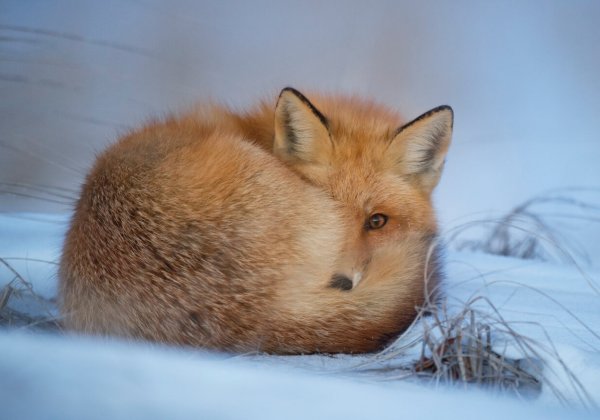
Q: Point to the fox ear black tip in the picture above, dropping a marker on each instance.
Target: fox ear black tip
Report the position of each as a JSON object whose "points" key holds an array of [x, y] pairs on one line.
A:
{"points": [[439, 109], [442, 108], [449, 109], [291, 90]]}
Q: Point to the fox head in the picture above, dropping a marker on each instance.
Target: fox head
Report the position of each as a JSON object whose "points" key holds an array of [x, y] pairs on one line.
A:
{"points": [[382, 172]]}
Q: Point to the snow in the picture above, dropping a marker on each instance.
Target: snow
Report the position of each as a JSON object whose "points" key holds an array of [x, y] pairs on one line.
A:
{"points": [[68, 378], [64, 376]]}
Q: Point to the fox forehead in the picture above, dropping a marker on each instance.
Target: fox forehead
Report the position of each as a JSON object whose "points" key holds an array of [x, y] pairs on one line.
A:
{"points": [[349, 113], [366, 190], [360, 184], [360, 129]]}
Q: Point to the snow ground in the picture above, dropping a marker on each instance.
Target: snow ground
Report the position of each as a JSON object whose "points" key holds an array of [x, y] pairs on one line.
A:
{"points": [[51, 376]]}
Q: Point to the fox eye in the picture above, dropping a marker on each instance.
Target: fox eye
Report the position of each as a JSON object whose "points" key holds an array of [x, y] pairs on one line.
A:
{"points": [[377, 221]]}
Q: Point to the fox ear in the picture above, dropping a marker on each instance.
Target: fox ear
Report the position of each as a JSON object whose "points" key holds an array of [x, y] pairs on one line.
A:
{"points": [[301, 131], [419, 148]]}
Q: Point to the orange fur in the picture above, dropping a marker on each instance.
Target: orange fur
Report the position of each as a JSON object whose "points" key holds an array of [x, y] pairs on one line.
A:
{"points": [[225, 230]]}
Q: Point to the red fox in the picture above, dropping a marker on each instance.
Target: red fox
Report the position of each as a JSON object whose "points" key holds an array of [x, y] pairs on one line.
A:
{"points": [[297, 227]]}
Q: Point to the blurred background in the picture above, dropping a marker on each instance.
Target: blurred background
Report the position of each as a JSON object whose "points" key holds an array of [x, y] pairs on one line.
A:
{"points": [[523, 78]]}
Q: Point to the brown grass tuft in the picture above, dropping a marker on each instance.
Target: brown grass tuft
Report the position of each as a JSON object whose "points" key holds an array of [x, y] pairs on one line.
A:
{"points": [[19, 291], [531, 230]]}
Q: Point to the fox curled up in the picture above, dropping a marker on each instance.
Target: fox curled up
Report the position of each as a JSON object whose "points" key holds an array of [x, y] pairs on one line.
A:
{"points": [[301, 225]]}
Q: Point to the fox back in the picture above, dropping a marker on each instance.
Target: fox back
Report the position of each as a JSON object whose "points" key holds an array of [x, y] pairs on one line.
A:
{"points": [[295, 228]]}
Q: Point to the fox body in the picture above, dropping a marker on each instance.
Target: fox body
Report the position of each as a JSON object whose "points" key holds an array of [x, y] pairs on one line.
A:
{"points": [[296, 227]]}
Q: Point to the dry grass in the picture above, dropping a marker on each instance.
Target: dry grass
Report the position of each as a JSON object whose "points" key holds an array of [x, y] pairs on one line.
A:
{"points": [[476, 346], [459, 348], [532, 229], [65, 197], [18, 291], [472, 346]]}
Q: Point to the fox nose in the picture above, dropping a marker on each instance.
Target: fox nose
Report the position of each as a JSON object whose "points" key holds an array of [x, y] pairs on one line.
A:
{"points": [[340, 281], [343, 282]]}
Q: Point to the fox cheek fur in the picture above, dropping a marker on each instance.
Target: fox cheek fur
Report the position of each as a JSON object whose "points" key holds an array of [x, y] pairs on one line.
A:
{"points": [[297, 227]]}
